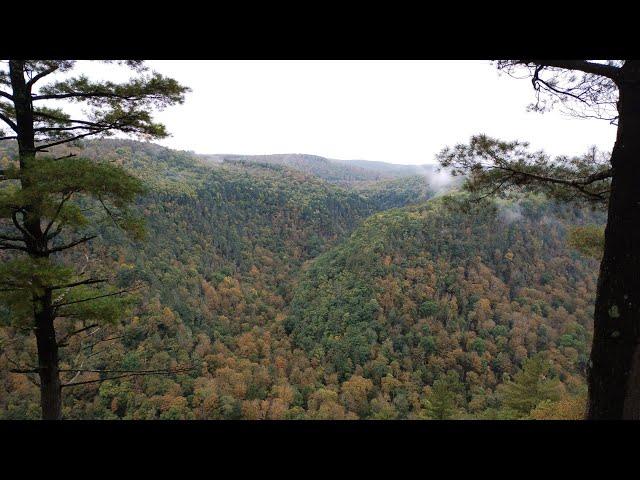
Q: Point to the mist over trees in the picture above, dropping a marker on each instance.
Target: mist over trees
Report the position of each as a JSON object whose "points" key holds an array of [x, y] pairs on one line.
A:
{"points": [[609, 91], [149, 283]]}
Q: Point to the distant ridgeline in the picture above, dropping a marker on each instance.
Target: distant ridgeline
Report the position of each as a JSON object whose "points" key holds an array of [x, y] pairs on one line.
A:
{"points": [[303, 287], [343, 172]]}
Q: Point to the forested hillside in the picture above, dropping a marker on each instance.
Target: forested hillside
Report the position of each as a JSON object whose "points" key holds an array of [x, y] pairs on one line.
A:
{"points": [[343, 172], [437, 293], [296, 289]]}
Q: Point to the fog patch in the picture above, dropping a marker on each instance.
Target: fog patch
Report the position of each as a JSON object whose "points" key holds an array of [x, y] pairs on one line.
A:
{"points": [[510, 213], [439, 179], [547, 220]]}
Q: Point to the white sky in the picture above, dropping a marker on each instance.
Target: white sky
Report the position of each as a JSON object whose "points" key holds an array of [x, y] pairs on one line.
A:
{"points": [[394, 111]]}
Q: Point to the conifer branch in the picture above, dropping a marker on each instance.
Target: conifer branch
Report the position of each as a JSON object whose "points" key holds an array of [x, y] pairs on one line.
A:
{"points": [[40, 75], [71, 245], [112, 294], [61, 342], [126, 373]]}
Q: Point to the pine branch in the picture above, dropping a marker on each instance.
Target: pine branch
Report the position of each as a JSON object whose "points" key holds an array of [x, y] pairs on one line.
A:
{"points": [[64, 129], [109, 339], [61, 120], [25, 232], [71, 155], [129, 373], [40, 75], [112, 294], [608, 71], [65, 198], [9, 122], [94, 94], [41, 148], [71, 245], [9, 246], [61, 342], [577, 184], [11, 239], [90, 281], [21, 370]]}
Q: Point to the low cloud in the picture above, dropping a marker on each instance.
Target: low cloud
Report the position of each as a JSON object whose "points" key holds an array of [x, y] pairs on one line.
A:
{"points": [[509, 214], [439, 179]]}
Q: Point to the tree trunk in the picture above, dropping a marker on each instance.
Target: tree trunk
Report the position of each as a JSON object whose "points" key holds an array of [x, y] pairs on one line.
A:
{"points": [[614, 368], [36, 243], [50, 388]]}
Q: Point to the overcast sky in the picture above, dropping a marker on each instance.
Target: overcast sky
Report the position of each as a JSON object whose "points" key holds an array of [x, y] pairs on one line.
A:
{"points": [[394, 111]]}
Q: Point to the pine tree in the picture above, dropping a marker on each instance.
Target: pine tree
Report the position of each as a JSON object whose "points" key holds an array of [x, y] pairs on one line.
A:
{"points": [[441, 402], [586, 89], [50, 205], [530, 387]]}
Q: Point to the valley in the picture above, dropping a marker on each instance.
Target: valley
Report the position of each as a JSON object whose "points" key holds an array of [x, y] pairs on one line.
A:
{"points": [[299, 287]]}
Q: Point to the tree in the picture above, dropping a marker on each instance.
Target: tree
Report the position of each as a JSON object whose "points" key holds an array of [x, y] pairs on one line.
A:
{"points": [[355, 392], [567, 408], [441, 402], [588, 240], [587, 89], [530, 387], [46, 202]]}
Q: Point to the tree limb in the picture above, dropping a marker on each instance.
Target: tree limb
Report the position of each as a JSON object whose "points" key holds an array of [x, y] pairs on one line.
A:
{"points": [[76, 332], [65, 198], [577, 184], [608, 71], [112, 294], [40, 75], [11, 239], [98, 342], [9, 246], [70, 139], [130, 373], [66, 156], [72, 244], [9, 122], [20, 370], [95, 94], [25, 232], [90, 281]]}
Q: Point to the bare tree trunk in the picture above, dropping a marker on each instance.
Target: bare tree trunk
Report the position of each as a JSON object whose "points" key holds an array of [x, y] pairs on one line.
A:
{"points": [[614, 370], [50, 388]]}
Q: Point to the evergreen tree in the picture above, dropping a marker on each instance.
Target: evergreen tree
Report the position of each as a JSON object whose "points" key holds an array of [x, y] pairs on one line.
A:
{"points": [[587, 89], [530, 387], [441, 402], [50, 205]]}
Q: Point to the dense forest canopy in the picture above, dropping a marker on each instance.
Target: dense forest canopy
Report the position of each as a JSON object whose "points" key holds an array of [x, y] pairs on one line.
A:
{"points": [[303, 288]]}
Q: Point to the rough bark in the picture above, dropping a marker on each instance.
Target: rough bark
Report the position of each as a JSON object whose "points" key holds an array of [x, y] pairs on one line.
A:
{"points": [[614, 370], [50, 387]]}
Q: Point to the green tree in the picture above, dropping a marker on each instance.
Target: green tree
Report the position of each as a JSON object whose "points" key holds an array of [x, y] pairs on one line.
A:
{"points": [[441, 401], [610, 91], [530, 387], [49, 205], [588, 240]]}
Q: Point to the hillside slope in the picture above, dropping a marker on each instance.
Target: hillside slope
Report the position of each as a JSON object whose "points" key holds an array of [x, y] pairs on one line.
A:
{"points": [[425, 292], [343, 172], [377, 306]]}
